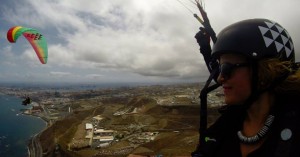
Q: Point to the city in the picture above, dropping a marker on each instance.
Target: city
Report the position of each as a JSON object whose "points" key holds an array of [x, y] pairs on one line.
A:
{"points": [[117, 121]]}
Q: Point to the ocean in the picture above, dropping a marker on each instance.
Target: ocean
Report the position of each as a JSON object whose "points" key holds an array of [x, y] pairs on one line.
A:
{"points": [[16, 129]]}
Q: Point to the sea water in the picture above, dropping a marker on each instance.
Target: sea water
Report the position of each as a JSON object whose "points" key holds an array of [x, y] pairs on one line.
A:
{"points": [[16, 129]]}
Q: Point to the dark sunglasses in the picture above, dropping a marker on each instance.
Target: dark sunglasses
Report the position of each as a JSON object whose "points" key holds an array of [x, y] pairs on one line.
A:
{"points": [[226, 69]]}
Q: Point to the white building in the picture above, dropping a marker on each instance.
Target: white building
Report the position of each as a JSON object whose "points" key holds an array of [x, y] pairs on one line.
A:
{"points": [[103, 132], [88, 126]]}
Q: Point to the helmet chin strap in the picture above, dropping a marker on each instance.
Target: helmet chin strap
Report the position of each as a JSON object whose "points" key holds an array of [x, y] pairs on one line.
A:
{"points": [[255, 93], [254, 90]]}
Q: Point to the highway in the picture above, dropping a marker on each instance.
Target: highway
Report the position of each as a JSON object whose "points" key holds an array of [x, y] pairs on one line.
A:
{"points": [[35, 149]]}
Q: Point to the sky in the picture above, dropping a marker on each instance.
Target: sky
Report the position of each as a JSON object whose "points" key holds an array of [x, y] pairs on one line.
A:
{"points": [[106, 41]]}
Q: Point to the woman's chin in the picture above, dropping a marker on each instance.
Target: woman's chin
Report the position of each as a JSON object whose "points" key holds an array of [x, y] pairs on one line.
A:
{"points": [[229, 101]]}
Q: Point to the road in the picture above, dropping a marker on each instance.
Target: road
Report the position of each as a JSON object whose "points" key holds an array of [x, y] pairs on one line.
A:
{"points": [[35, 149]]}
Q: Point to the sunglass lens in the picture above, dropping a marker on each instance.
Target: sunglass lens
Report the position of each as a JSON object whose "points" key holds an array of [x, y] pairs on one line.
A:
{"points": [[226, 69]]}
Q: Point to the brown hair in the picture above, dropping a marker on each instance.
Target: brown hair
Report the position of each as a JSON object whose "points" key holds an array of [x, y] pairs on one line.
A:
{"points": [[272, 68]]}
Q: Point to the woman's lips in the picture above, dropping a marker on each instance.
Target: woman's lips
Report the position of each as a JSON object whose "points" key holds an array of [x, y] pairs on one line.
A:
{"points": [[226, 89]]}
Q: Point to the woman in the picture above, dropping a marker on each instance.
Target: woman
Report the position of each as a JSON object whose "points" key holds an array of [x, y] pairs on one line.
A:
{"points": [[261, 84]]}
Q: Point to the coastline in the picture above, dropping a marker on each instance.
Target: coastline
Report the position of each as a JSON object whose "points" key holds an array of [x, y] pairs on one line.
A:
{"points": [[19, 127], [34, 147]]}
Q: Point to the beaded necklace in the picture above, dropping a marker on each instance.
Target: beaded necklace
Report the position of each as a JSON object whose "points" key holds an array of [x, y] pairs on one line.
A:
{"points": [[261, 133]]}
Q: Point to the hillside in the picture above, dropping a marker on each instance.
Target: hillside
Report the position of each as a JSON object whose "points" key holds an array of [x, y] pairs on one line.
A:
{"points": [[173, 127]]}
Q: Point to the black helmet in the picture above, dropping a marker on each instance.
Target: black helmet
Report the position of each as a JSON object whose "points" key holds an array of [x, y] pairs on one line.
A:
{"points": [[256, 39]]}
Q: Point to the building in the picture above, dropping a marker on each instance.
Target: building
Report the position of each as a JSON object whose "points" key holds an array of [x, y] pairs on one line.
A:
{"points": [[97, 119], [89, 126], [102, 132]]}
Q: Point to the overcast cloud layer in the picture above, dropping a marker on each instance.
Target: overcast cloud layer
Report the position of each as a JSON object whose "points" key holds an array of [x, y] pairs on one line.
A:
{"points": [[123, 40]]}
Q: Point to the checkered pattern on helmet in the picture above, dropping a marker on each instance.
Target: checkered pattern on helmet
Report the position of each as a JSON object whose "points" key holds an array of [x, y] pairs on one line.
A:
{"points": [[274, 35]]}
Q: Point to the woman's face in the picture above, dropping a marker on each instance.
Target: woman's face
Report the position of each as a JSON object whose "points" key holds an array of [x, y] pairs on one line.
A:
{"points": [[237, 83]]}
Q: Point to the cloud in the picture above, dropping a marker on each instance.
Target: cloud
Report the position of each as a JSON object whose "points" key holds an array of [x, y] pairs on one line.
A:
{"points": [[129, 40], [105, 39]]}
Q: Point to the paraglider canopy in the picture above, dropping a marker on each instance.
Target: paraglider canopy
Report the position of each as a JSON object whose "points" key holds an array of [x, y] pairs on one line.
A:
{"points": [[34, 37]]}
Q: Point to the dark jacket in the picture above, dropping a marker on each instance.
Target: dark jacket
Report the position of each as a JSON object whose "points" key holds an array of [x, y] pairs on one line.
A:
{"points": [[222, 140]]}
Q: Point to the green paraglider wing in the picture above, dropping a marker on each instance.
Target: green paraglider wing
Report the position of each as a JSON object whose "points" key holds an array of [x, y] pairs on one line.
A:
{"points": [[35, 38]]}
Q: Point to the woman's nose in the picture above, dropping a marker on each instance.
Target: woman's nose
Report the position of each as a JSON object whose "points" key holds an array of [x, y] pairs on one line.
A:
{"points": [[220, 78]]}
